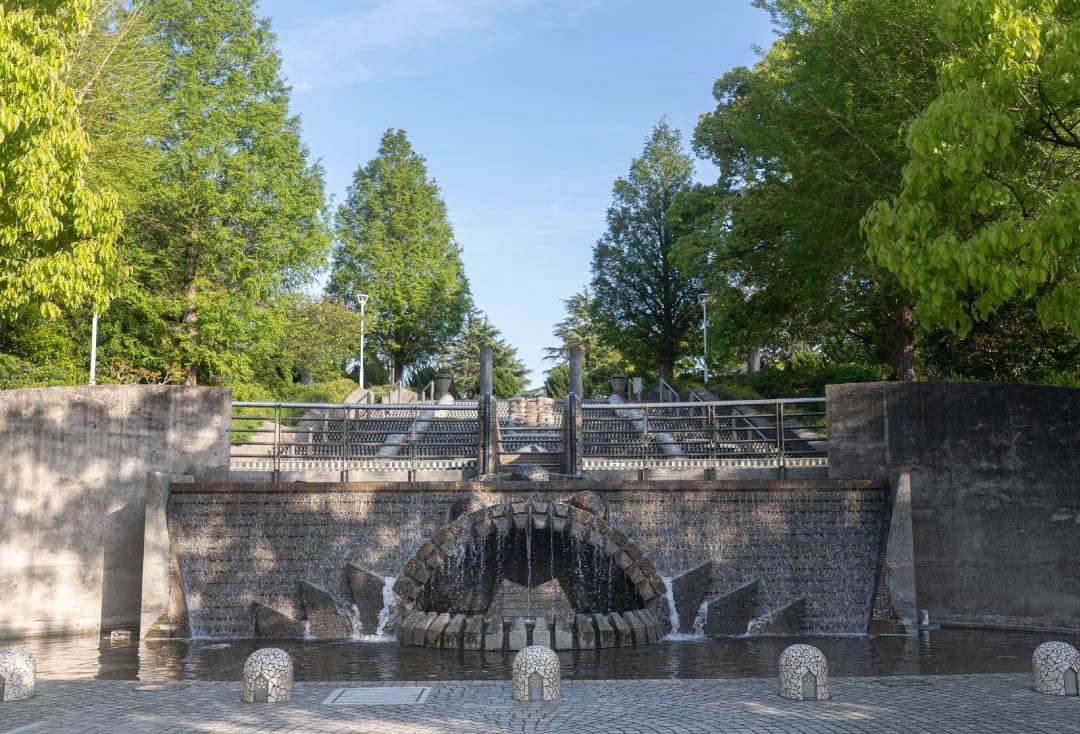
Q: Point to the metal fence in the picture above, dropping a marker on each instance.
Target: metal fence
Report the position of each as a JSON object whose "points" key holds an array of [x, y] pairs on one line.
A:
{"points": [[297, 437], [769, 433]]}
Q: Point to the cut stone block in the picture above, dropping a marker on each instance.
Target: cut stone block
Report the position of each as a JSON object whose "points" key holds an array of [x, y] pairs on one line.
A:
{"points": [[493, 634], [473, 637], [271, 623], [730, 613], [586, 635], [564, 633], [605, 634], [367, 594], [435, 630], [689, 590], [321, 610], [407, 628], [519, 634], [789, 619], [623, 635], [637, 627], [453, 635], [541, 633], [420, 630]]}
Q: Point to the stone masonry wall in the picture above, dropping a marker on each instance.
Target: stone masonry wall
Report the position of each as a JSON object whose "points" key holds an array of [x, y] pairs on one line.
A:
{"points": [[74, 489], [244, 543]]}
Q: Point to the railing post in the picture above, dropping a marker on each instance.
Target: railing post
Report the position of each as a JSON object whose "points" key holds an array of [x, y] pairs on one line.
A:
{"points": [[780, 438], [277, 442], [485, 408], [572, 430]]}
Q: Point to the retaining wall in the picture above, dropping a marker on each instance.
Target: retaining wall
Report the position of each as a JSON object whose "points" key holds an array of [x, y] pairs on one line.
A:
{"points": [[989, 475], [240, 543], [74, 492]]}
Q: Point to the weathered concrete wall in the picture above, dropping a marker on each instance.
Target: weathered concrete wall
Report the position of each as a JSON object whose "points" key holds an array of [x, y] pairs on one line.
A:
{"points": [[244, 543], [994, 487], [73, 493]]}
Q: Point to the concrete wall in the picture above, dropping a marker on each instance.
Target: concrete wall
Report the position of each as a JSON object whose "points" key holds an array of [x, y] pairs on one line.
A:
{"points": [[74, 491], [993, 476]]}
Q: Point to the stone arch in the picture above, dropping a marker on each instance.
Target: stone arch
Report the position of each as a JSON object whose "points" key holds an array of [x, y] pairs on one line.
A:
{"points": [[634, 586]]}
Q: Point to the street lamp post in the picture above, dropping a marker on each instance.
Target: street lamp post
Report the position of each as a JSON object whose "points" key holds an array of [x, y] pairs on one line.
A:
{"points": [[93, 350], [362, 299], [703, 299]]}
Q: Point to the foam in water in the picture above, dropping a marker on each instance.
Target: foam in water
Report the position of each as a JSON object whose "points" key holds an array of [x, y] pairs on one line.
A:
{"points": [[388, 599], [699, 620]]}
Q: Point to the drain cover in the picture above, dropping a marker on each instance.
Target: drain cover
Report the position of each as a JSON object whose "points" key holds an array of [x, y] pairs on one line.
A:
{"points": [[373, 696], [902, 682]]}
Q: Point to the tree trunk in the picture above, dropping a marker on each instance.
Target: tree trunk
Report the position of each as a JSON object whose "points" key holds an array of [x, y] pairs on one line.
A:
{"points": [[191, 318], [904, 346]]}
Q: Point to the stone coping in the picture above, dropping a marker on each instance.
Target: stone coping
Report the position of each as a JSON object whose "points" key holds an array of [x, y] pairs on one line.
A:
{"points": [[601, 485]]}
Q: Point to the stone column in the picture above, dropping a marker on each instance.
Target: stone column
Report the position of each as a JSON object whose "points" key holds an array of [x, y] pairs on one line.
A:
{"points": [[487, 381], [577, 382]]}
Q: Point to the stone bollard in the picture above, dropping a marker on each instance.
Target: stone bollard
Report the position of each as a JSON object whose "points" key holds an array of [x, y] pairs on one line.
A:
{"points": [[268, 676], [804, 674], [1055, 668], [537, 675], [18, 674]]}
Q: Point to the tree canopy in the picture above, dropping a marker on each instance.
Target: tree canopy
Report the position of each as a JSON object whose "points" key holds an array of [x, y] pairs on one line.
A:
{"points": [[645, 305], [395, 243]]}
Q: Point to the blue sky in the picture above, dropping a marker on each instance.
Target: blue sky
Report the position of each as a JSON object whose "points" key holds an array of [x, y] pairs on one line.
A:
{"points": [[526, 111]]}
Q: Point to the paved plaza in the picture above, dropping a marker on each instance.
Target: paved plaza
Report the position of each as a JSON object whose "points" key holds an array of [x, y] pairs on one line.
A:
{"points": [[970, 704]]}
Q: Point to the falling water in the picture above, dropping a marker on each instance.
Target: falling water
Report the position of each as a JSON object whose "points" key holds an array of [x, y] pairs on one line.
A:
{"points": [[528, 560], [668, 580], [388, 600]]}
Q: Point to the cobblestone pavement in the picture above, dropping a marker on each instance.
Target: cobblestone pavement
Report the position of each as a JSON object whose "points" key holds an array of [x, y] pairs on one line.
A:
{"points": [[968, 704]]}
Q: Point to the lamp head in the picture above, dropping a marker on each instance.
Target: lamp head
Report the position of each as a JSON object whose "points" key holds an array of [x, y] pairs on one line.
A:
{"points": [[704, 298], [361, 298]]}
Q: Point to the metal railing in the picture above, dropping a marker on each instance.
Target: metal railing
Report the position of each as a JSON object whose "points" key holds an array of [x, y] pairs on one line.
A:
{"points": [[767, 433], [672, 394], [297, 437]]}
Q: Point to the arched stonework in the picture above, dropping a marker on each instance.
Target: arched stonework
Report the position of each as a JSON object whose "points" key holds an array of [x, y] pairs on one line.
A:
{"points": [[635, 589]]}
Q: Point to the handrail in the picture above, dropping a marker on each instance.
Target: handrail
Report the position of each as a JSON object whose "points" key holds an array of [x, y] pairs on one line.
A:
{"points": [[697, 397], [349, 406], [424, 391], [673, 391]]}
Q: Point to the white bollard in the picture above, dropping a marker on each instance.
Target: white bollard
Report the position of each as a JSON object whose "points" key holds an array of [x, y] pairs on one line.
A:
{"points": [[804, 674], [268, 676], [1055, 669], [18, 674], [537, 675]]}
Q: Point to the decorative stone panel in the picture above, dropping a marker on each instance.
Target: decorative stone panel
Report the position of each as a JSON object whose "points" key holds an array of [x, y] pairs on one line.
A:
{"points": [[537, 675], [18, 674], [268, 676], [1055, 668], [804, 674]]}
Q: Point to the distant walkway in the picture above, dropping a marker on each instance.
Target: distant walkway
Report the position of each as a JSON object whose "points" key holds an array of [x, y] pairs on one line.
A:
{"points": [[989, 704]]}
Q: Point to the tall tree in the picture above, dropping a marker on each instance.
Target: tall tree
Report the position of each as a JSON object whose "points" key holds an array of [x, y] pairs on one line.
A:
{"points": [[645, 305], [395, 243], [462, 359], [990, 206], [599, 359], [236, 215], [805, 142], [57, 235]]}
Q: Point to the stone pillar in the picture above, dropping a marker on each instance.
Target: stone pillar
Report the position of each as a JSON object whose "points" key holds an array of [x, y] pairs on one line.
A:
{"points": [[577, 382], [487, 381]]}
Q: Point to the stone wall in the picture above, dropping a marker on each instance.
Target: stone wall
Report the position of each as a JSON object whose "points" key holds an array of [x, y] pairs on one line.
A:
{"points": [[244, 543], [992, 474], [74, 493]]}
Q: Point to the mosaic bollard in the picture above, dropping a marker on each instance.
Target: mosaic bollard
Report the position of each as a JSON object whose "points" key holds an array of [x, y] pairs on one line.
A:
{"points": [[536, 675], [268, 676], [1055, 668], [804, 674], [18, 674]]}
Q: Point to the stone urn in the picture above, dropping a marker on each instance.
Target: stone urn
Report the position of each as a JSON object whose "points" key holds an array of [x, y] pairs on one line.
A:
{"points": [[442, 384], [618, 384]]}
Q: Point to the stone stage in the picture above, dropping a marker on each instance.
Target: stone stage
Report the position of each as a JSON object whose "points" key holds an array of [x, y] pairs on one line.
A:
{"points": [[990, 704]]}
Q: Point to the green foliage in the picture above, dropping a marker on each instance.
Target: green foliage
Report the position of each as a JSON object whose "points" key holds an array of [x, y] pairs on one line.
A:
{"points": [[644, 305], [599, 360], [57, 235], [729, 389], [462, 359], [317, 335], [395, 243], [557, 382], [806, 374], [17, 373], [989, 211], [805, 143]]}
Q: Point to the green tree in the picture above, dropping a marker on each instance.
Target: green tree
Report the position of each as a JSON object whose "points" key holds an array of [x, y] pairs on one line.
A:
{"points": [[598, 359], [57, 235], [395, 243], [989, 211], [645, 306], [320, 336], [805, 143], [462, 359], [235, 217]]}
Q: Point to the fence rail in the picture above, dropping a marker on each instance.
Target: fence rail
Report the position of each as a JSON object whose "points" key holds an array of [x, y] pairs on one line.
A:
{"points": [[296, 437]]}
